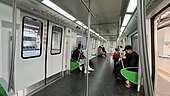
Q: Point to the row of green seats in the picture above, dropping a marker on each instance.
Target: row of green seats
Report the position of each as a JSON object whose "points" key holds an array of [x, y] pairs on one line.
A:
{"points": [[75, 64], [2, 91]]}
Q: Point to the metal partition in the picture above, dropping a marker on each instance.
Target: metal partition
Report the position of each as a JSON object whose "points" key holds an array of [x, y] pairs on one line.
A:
{"points": [[148, 88]]}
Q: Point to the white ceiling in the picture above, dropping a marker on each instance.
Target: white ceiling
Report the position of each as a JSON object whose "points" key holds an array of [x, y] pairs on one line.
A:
{"points": [[107, 12]]}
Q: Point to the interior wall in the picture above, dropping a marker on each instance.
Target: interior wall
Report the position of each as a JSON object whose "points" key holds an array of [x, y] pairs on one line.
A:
{"points": [[73, 41], [129, 40], [5, 33], [112, 46], [5, 29], [0, 52], [67, 50]]}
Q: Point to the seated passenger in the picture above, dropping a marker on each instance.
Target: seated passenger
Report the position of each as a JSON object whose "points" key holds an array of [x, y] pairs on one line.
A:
{"points": [[133, 61], [100, 52], [76, 55]]}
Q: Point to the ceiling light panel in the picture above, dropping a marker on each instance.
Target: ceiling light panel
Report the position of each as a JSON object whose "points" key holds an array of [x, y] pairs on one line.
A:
{"points": [[122, 29], [80, 23], [132, 6], [126, 19], [85, 27], [58, 9]]}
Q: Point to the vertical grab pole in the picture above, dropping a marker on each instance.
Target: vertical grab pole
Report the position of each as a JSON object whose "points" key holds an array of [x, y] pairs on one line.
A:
{"points": [[88, 48], [11, 78], [148, 88]]}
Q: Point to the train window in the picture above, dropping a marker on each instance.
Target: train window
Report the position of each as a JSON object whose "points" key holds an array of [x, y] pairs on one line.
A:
{"points": [[31, 37], [82, 40], [56, 40], [94, 43], [163, 35]]}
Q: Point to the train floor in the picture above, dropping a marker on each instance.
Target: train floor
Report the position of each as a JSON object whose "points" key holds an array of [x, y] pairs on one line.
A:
{"points": [[101, 83]]}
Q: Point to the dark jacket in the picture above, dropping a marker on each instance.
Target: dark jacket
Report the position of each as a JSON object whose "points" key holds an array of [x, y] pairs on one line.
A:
{"points": [[133, 60], [75, 56]]}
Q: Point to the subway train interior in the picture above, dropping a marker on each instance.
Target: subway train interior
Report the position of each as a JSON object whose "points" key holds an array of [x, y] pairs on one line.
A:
{"points": [[39, 40]]}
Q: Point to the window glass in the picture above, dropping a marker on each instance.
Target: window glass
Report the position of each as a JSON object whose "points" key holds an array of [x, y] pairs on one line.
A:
{"points": [[94, 43], [163, 34], [31, 37], [82, 40], [56, 40]]}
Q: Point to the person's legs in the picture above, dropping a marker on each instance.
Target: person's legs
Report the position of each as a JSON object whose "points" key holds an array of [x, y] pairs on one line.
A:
{"points": [[115, 62], [85, 70], [90, 69]]}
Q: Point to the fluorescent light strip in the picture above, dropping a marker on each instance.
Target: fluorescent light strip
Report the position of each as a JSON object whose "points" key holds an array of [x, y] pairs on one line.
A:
{"points": [[97, 34], [126, 19], [78, 36], [132, 6], [80, 23], [120, 34], [64, 13], [122, 29], [92, 31], [31, 25], [58, 9], [85, 27]]}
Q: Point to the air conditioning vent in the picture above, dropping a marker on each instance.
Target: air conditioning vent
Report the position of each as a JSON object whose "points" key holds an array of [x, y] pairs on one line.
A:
{"points": [[107, 31]]}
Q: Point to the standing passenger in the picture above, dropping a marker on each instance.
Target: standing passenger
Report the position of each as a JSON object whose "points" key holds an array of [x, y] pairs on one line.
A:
{"points": [[116, 56]]}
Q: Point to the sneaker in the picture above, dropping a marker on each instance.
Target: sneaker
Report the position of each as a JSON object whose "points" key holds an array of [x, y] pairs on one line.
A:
{"points": [[80, 67], [86, 71], [91, 69]]}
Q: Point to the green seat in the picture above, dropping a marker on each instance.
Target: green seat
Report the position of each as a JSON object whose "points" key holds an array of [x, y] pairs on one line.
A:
{"points": [[93, 55], [74, 65], [98, 54], [2, 91], [130, 75]]}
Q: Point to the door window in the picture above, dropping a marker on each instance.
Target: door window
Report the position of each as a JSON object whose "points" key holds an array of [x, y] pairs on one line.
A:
{"points": [[56, 40], [31, 37]]}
